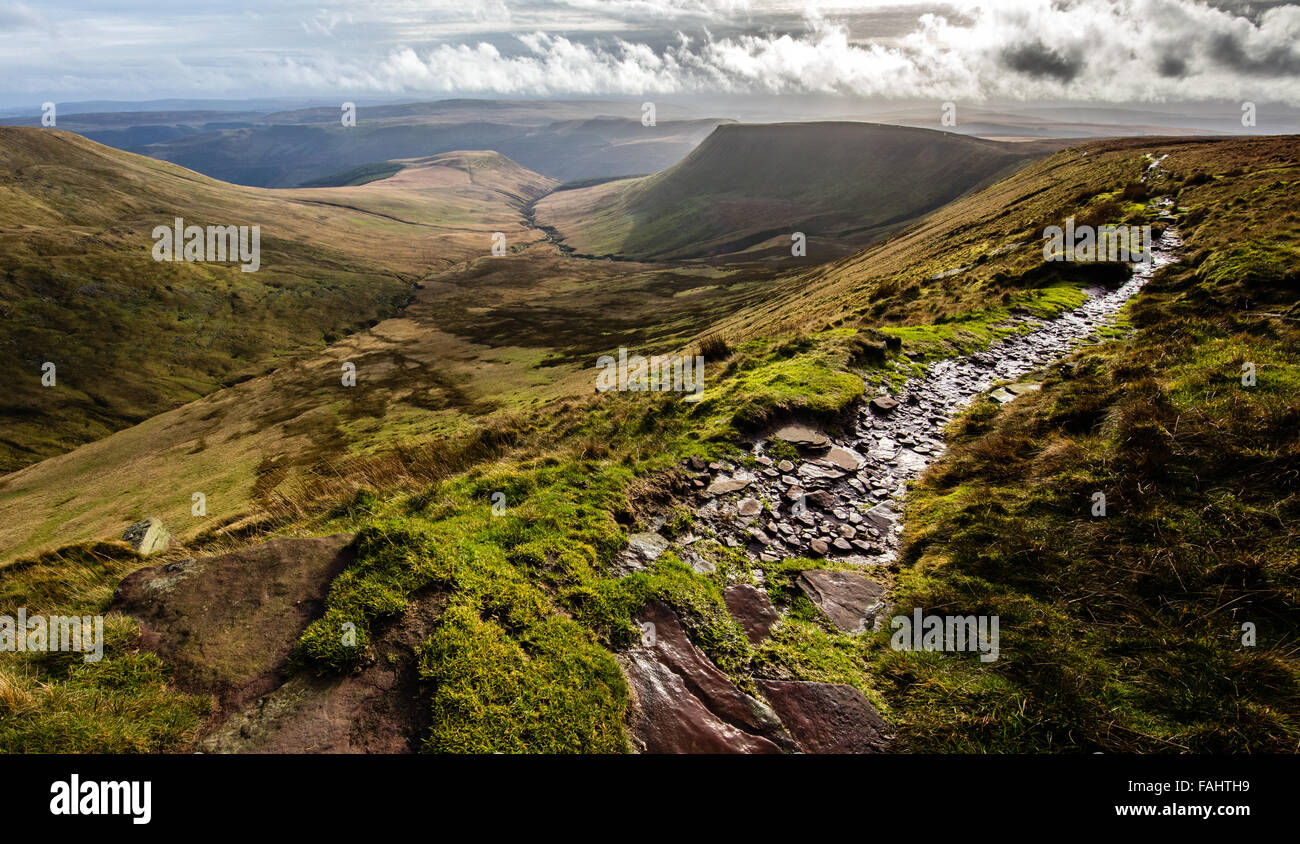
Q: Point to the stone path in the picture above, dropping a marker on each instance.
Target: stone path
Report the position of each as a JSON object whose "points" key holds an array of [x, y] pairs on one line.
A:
{"points": [[842, 498]]}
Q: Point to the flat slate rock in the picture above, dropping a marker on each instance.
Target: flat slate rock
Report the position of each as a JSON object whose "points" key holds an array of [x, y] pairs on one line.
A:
{"points": [[803, 436], [723, 485], [882, 516], [884, 404], [826, 717], [811, 472], [379, 709], [821, 499], [684, 704], [752, 609], [849, 599], [845, 458]]}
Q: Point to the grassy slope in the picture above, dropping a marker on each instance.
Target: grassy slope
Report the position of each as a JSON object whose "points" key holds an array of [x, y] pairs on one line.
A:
{"points": [[488, 340], [132, 337], [1125, 633], [534, 612], [363, 175], [840, 183]]}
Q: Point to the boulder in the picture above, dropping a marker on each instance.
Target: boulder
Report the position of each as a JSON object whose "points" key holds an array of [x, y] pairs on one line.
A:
{"points": [[148, 536]]}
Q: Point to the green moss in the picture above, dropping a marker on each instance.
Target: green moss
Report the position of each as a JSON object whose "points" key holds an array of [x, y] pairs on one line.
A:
{"points": [[550, 690], [801, 377]]}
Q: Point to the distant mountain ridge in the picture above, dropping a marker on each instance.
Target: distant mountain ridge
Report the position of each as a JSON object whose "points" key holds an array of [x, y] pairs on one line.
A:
{"points": [[749, 188], [564, 140]]}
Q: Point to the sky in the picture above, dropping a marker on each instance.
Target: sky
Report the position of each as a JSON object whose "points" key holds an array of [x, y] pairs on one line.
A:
{"points": [[1109, 51]]}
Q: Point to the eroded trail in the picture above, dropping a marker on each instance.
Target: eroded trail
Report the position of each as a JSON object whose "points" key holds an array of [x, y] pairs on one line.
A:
{"points": [[842, 498]]}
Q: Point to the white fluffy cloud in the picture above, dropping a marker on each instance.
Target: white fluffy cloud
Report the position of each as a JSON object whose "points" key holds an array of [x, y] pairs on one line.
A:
{"points": [[1106, 50], [1094, 50]]}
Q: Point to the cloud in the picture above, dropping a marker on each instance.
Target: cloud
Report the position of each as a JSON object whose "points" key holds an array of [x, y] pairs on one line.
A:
{"points": [[1106, 50], [1037, 60], [17, 17], [960, 50], [1271, 60], [325, 21], [1171, 66]]}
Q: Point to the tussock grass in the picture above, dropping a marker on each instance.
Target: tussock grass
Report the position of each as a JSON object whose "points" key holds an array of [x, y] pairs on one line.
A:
{"points": [[60, 703], [1125, 633]]}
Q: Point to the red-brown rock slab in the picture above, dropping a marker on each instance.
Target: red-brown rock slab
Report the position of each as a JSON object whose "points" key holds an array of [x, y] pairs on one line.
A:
{"points": [[227, 623], [752, 609], [826, 717], [379, 709], [849, 599], [684, 704]]}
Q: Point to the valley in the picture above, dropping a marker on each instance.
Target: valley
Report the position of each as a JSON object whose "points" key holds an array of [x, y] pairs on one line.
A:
{"points": [[475, 537]]}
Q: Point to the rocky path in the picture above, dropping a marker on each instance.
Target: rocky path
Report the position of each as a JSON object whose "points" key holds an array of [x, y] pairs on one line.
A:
{"points": [[842, 498]]}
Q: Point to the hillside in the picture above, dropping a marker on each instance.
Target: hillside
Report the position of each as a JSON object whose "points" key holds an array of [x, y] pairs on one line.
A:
{"points": [[131, 336], [747, 188], [498, 537]]}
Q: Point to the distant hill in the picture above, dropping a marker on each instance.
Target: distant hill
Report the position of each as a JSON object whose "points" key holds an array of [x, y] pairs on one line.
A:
{"points": [[293, 154], [131, 336], [748, 188], [363, 175], [564, 140]]}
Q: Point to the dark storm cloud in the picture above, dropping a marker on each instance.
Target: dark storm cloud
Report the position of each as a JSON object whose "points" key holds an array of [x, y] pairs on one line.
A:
{"points": [[1036, 59], [1171, 66], [1248, 9], [1275, 61]]}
